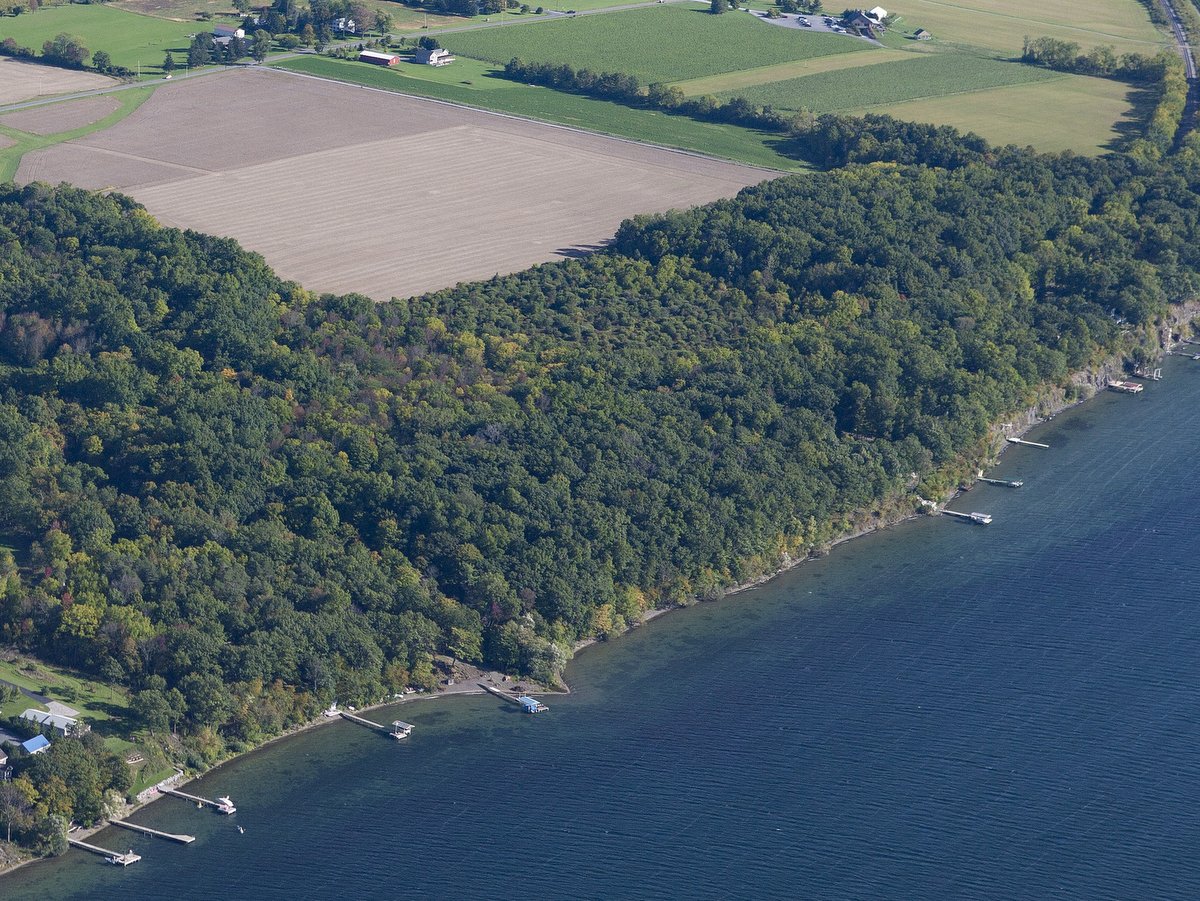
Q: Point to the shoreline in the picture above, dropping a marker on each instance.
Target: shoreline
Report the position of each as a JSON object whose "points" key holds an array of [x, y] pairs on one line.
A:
{"points": [[1051, 401]]}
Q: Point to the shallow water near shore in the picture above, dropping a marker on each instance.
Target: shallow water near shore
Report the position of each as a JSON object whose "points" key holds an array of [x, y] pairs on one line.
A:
{"points": [[938, 710]]}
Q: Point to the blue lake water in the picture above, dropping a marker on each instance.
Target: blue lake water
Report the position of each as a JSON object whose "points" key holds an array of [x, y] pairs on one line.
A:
{"points": [[937, 711]]}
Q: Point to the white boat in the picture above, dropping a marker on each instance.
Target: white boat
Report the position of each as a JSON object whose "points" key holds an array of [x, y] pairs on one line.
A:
{"points": [[225, 806]]}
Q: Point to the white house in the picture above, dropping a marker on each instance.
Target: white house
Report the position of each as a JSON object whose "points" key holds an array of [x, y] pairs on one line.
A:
{"points": [[227, 31], [437, 57], [56, 721]]}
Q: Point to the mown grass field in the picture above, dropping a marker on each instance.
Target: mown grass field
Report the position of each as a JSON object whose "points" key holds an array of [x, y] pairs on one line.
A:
{"points": [[1068, 113], [665, 43], [1001, 25], [130, 39], [934, 75], [737, 82], [474, 84]]}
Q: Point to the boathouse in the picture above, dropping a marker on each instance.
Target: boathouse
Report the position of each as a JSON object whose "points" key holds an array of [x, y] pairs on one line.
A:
{"points": [[531, 705]]}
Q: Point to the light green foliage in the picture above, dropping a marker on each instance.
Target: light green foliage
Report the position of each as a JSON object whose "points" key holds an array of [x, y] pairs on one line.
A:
{"points": [[127, 38]]}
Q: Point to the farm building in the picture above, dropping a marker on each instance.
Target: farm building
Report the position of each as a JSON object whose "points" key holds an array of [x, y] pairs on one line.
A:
{"points": [[877, 13], [227, 31], [35, 745], [922, 35], [437, 57], [379, 59], [56, 721]]}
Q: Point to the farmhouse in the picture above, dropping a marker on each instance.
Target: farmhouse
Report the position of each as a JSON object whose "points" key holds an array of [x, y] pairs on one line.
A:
{"points": [[922, 35], [862, 22], [378, 59], [227, 32], [437, 57]]}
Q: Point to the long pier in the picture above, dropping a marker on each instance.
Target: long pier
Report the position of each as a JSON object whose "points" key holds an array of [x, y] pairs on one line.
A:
{"points": [[491, 689], [1004, 483], [111, 856], [980, 519], [526, 703], [1026, 443], [398, 730], [221, 805], [157, 833]]}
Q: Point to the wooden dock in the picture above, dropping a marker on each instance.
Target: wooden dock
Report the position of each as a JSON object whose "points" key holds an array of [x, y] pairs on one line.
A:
{"points": [[221, 805], [1026, 443], [157, 833], [492, 689], [115, 857]]}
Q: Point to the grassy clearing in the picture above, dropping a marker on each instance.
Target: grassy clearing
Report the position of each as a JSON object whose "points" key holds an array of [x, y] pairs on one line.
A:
{"points": [[101, 706], [24, 142], [473, 84], [737, 82], [1068, 113], [130, 39], [664, 43], [879, 86], [1001, 25]]}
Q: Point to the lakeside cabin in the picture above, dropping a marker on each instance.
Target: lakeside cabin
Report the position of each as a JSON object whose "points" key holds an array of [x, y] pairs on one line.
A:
{"points": [[379, 59], [438, 57]]}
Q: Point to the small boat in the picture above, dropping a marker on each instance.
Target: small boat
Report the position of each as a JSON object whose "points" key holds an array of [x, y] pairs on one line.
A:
{"points": [[241, 831], [225, 806]]}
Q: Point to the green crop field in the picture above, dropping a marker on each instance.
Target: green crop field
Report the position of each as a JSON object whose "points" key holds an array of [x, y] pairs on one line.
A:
{"points": [[470, 83], [130, 39], [663, 43], [1002, 25], [923, 76], [1067, 113]]}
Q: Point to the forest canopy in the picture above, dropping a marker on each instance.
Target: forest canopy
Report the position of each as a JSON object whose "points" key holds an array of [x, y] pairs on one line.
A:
{"points": [[243, 500]]}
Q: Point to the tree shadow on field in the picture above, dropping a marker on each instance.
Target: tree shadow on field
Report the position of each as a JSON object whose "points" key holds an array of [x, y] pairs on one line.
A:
{"points": [[579, 251], [1132, 125]]}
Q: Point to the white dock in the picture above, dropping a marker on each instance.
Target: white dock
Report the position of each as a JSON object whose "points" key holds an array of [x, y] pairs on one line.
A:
{"points": [[114, 857], [157, 833], [221, 805], [1004, 483], [399, 729], [1126, 387], [1026, 443], [980, 519]]}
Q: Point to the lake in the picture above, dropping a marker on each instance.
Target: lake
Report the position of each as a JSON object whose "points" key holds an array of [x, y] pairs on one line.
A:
{"points": [[940, 710]]}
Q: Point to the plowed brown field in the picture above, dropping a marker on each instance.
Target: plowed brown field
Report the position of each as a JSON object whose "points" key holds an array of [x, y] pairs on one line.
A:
{"points": [[347, 189]]}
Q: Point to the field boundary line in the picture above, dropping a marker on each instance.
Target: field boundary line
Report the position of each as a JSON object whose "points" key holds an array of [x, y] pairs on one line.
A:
{"points": [[517, 118]]}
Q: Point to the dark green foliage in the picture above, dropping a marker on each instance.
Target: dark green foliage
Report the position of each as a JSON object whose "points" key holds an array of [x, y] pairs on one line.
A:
{"points": [[249, 501]]}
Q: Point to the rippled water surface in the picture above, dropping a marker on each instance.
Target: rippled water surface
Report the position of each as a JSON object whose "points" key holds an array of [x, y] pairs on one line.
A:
{"points": [[941, 710]]}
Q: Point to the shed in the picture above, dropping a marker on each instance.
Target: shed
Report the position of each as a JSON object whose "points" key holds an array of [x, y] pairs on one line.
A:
{"points": [[35, 745], [878, 13], [922, 35], [378, 59], [438, 57]]}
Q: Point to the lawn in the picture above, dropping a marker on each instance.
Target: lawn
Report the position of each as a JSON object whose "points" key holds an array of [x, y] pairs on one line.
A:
{"points": [[1068, 113], [866, 87], [662, 43], [473, 84], [131, 40], [97, 703], [1001, 25]]}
